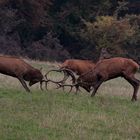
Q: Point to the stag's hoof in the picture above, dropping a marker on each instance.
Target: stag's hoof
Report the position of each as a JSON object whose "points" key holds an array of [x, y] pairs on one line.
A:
{"points": [[134, 99], [92, 95]]}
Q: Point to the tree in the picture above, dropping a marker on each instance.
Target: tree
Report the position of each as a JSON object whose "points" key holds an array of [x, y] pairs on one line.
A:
{"points": [[109, 32]]}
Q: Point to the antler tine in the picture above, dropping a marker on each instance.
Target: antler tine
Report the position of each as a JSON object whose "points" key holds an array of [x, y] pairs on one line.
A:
{"points": [[63, 85], [46, 82], [50, 71], [56, 71], [66, 76], [69, 72], [41, 85]]}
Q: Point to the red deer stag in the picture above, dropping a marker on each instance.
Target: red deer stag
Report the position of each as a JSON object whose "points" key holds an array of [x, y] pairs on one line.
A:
{"points": [[19, 69], [109, 69]]}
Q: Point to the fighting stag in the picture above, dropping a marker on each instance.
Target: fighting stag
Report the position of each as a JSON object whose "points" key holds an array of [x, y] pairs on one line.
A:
{"points": [[77, 66], [16, 67], [109, 69]]}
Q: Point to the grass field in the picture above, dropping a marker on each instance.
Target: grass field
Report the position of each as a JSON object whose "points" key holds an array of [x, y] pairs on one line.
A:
{"points": [[57, 115]]}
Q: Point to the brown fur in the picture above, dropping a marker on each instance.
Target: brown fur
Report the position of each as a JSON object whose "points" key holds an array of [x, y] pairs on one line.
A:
{"points": [[78, 66], [19, 69], [112, 68]]}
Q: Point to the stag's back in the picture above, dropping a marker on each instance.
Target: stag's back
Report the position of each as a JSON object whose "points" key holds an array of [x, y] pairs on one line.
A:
{"points": [[78, 66], [13, 66], [116, 65]]}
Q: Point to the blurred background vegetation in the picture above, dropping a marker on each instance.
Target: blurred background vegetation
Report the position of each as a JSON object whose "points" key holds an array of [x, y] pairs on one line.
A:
{"points": [[55, 30]]}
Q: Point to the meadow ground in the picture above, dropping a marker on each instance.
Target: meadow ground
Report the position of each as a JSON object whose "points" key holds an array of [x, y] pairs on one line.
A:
{"points": [[57, 115]]}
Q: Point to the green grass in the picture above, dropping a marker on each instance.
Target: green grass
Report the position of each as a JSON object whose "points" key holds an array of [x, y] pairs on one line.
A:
{"points": [[57, 115], [61, 116]]}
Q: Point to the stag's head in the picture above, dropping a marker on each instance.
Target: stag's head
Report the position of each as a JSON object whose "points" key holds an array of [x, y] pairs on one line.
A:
{"points": [[36, 76]]}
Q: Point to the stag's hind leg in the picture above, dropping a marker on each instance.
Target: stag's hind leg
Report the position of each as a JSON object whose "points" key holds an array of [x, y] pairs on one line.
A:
{"points": [[136, 88], [135, 83]]}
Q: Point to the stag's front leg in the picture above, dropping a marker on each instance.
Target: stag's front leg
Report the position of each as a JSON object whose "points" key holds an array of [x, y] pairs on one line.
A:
{"points": [[87, 87], [24, 84], [99, 80], [96, 87]]}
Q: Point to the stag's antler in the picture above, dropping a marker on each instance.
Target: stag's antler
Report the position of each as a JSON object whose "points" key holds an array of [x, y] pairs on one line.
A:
{"points": [[69, 85], [41, 82], [66, 72], [56, 82], [46, 76], [76, 83], [41, 85], [46, 83], [60, 84]]}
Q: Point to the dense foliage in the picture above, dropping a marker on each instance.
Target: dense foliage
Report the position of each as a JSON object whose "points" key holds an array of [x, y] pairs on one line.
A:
{"points": [[55, 30]]}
